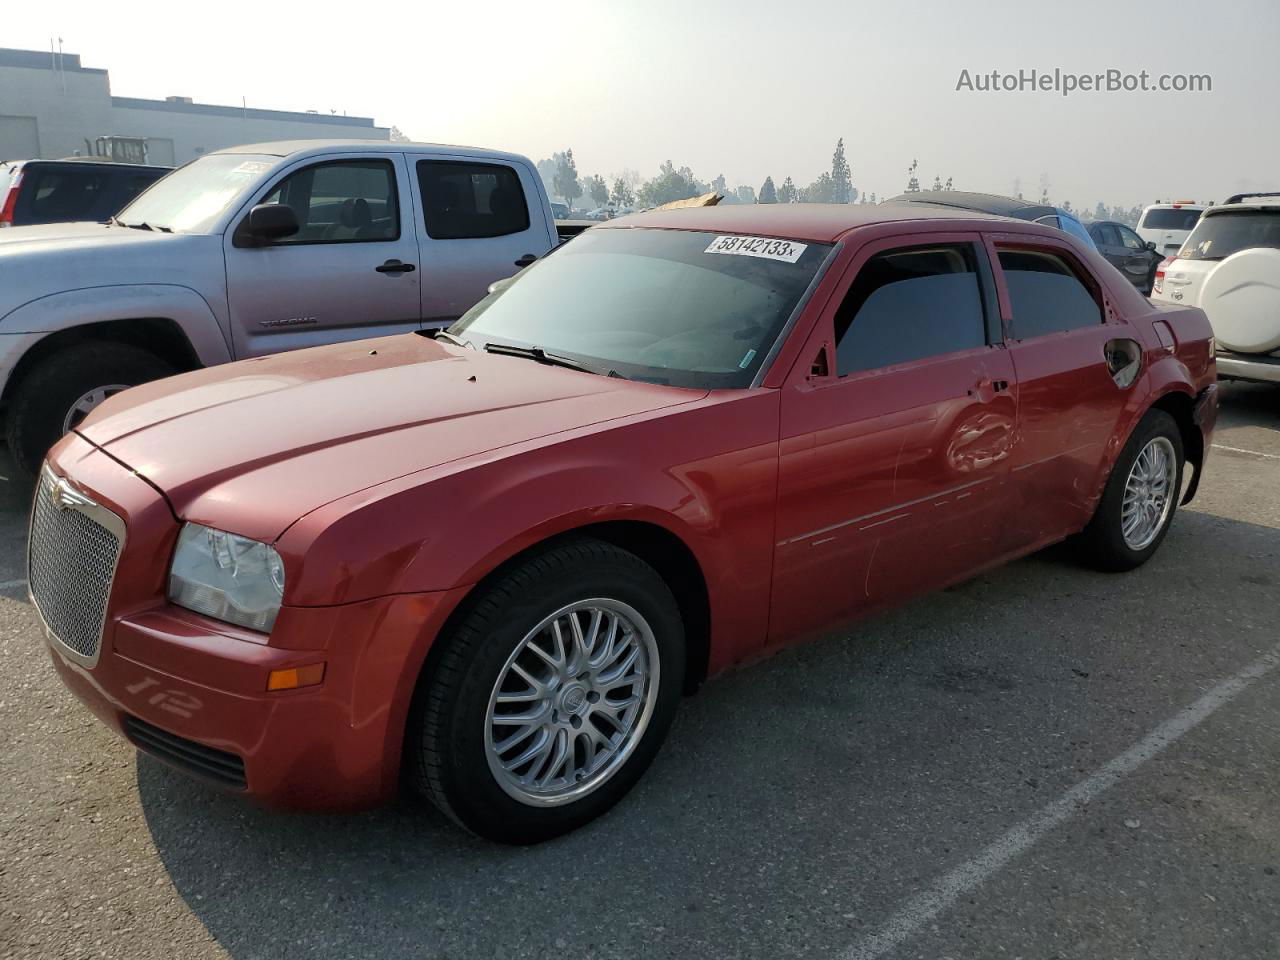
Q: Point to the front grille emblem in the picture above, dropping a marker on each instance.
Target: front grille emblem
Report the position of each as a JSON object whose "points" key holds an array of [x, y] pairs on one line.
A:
{"points": [[66, 496]]}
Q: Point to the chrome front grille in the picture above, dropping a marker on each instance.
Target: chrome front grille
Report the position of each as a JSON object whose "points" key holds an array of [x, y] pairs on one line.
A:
{"points": [[72, 551]]}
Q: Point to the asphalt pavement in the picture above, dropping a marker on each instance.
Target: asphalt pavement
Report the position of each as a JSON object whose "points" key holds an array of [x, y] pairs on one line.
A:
{"points": [[1044, 762]]}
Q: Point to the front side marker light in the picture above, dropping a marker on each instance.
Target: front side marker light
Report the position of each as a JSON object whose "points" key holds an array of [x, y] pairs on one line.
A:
{"points": [[295, 677]]}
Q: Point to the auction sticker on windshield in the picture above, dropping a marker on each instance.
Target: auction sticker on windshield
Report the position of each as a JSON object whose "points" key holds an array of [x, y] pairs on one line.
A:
{"points": [[770, 249]]}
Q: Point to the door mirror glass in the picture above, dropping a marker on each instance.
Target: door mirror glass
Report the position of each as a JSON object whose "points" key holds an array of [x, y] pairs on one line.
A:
{"points": [[272, 221], [1151, 245]]}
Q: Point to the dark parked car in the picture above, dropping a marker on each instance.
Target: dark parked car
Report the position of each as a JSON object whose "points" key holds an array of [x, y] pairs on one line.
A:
{"points": [[1019, 209], [61, 191], [1134, 257]]}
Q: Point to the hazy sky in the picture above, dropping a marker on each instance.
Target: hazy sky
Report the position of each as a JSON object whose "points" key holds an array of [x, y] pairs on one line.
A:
{"points": [[741, 88]]}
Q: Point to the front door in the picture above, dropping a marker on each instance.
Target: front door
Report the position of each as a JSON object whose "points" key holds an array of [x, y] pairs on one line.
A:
{"points": [[351, 270], [895, 443], [1068, 402]]}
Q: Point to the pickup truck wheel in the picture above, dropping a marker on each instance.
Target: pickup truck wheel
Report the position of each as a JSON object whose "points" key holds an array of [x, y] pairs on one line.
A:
{"points": [[57, 393], [1140, 498], [550, 696]]}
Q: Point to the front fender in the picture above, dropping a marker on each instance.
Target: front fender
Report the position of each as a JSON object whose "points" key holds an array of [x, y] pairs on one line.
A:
{"points": [[706, 473], [86, 305]]}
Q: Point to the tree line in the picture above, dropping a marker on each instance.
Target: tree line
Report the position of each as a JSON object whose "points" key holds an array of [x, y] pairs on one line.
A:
{"points": [[627, 189]]}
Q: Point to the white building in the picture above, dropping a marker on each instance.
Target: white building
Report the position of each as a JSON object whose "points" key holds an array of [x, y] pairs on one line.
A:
{"points": [[51, 107]]}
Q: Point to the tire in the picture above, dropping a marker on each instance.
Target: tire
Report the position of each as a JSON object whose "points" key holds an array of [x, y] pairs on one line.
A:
{"points": [[1104, 543], [45, 396], [451, 754]]}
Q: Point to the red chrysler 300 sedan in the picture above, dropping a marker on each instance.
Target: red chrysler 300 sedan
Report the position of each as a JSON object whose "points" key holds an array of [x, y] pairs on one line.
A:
{"points": [[490, 560]]}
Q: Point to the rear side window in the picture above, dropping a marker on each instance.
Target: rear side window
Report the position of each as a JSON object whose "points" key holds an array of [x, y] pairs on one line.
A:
{"points": [[463, 200], [908, 305], [1220, 235], [54, 196], [1169, 219], [1046, 295]]}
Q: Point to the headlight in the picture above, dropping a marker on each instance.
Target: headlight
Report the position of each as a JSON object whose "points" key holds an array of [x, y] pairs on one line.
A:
{"points": [[226, 577]]}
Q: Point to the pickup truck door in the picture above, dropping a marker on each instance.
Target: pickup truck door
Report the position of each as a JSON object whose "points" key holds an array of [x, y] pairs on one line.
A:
{"points": [[478, 221], [349, 273]]}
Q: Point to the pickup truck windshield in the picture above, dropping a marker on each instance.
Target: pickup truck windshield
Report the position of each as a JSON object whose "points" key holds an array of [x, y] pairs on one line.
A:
{"points": [[1219, 235], [666, 306], [193, 197]]}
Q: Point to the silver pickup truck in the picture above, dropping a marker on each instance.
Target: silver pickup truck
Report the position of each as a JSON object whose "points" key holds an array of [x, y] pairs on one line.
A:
{"points": [[249, 251]]}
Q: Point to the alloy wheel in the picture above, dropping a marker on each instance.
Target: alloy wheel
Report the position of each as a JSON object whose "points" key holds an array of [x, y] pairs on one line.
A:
{"points": [[572, 702]]}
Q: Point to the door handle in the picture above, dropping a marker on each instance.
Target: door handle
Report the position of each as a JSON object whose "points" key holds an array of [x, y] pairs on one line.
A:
{"points": [[395, 266], [986, 388], [524, 261]]}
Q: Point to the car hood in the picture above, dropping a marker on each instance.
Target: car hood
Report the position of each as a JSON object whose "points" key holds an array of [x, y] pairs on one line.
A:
{"points": [[252, 446]]}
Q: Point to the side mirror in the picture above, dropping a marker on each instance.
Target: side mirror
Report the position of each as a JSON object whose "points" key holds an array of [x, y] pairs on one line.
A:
{"points": [[272, 221], [1151, 245]]}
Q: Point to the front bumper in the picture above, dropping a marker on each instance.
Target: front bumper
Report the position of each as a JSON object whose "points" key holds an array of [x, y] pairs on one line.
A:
{"points": [[199, 686]]}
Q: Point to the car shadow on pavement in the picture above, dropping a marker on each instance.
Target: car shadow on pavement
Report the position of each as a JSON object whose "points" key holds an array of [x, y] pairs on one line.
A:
{"points": [[795, 803]]}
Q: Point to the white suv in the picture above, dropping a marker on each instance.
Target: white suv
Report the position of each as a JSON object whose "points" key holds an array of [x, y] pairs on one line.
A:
{"points": [[1167, 225], [1230, 268]]}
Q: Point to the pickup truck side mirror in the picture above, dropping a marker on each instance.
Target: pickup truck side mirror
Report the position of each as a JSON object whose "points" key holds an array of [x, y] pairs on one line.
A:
{"points": [[271, 221], [1151, 245]]}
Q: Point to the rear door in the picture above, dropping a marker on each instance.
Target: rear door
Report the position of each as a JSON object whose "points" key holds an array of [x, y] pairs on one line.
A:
{"points": [[1108, 243], [1138, 260], [1058, 328], [895, 435], [351, 270], [475, 227]]}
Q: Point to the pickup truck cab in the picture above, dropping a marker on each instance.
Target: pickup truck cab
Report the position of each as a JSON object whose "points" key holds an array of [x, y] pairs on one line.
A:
{"points": [[250, 251]]}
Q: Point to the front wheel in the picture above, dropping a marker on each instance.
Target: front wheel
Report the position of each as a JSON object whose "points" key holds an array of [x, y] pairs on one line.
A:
{"points": [[1140, 498], [551, 695], [62, 389]]}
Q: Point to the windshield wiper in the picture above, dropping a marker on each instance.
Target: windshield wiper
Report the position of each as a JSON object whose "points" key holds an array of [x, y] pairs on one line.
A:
{"points": [[141, 225], [452, 338], [540, 355]]}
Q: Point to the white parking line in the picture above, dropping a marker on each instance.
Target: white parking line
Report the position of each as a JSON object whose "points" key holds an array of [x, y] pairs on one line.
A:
{"points": [[1252, 453], [927, 905], [10, 584]]}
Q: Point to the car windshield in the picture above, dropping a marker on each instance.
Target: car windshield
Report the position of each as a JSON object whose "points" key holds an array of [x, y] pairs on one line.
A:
{"points": [[1218, 236], [193, 197], [1168, 219], [666, 306]]}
